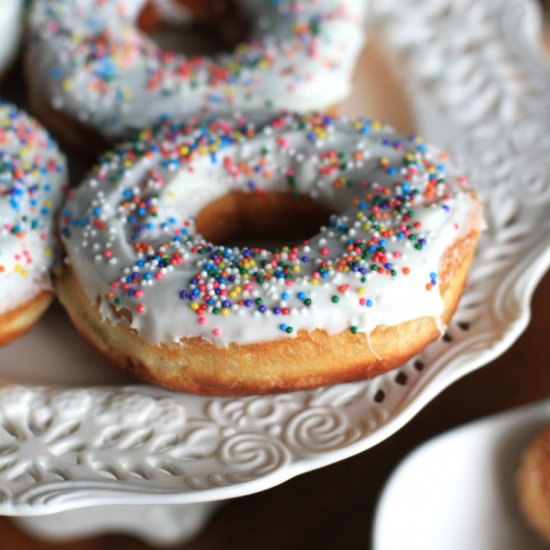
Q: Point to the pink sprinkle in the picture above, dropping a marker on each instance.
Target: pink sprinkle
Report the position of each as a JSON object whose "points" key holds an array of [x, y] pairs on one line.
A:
{"points": [[282, 142], [216, 332], [202, 321]]}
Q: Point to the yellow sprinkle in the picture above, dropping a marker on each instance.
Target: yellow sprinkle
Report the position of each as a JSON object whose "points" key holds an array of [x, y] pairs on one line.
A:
{"points": [[226, 311], [23, 272], [361, 291], [194, 306]]}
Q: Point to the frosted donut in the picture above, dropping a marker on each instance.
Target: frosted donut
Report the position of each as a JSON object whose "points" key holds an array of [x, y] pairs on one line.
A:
{"points": [[534, 484], [91, 62], [11, 12], [32, 172], [368, 291]]}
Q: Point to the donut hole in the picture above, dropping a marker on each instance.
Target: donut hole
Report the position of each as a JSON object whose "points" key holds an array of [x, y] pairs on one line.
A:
{"points": [[192, 27], [267, 220]]}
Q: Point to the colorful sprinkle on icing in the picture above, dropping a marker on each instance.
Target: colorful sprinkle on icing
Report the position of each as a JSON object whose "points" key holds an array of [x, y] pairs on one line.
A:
{"points": [[32, 172], [131, 237], [96, 65]]}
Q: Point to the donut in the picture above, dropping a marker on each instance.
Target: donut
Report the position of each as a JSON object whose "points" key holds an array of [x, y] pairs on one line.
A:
{"points": [[11, 12], [151, 277], [32, 173], [533, 483], [89, 62]]}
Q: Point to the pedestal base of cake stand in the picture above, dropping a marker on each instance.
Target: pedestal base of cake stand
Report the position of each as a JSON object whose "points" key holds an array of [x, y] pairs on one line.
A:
{"points": [[157, 525]]}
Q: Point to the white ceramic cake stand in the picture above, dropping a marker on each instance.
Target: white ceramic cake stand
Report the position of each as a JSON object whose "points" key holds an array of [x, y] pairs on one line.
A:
{"points": [[149, 462]]}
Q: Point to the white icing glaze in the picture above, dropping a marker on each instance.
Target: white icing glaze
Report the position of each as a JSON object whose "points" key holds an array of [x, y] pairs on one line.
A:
{"points": [[130, 236], [11, 12], [32, 172], [92, 62]]}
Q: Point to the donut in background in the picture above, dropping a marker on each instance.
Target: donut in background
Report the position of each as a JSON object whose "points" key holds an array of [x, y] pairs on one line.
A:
{"points": [[32, 174], [90, 65]]}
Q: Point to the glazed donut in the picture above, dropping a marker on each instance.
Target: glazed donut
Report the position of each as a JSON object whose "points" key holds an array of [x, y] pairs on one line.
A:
{"points": [[11, 12], [32, 172], [90, 61], [377, 283], [534, 483]]}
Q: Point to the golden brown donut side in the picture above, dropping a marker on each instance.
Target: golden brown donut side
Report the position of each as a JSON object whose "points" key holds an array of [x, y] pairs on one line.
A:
{"points": [[308, 361], [75, 136], [18, 321], [534, 484]]}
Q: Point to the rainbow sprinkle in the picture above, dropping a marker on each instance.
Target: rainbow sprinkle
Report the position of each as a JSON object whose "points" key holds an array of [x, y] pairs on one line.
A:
{"points": [[134, 220]]}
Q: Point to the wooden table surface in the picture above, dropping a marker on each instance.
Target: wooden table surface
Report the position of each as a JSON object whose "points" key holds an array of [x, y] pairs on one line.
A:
{"points": [[333, 508]]}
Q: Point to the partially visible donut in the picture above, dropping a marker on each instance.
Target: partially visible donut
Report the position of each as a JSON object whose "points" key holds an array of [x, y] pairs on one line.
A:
{"points": [[89, 60], [534, 483], [32, 172], [368, 291], [11, 12]]}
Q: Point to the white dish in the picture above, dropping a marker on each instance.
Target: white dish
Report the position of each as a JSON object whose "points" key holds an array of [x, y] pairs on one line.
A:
{"points": [[483, 95], [459, 490]]}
